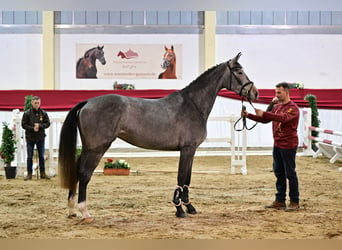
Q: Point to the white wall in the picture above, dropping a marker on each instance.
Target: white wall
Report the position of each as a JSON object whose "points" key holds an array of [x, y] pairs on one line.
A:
{"points": [[21, 61], [314, 60]]}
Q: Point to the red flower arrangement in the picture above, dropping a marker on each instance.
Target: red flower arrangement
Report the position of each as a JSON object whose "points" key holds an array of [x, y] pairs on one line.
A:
{"points": [[117, 164]]}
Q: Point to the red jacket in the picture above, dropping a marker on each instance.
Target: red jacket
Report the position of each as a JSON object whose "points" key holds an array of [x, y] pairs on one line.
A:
{"points": [[285, 118]]}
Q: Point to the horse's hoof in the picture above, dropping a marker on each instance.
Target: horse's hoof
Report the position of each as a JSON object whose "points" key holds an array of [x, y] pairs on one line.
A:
{"points": [[72, 216], [190, 209], [180, 214], [86, 221]]}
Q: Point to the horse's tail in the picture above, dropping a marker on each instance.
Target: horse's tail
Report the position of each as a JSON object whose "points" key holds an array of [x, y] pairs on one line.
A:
{"points": [[67, 149]]}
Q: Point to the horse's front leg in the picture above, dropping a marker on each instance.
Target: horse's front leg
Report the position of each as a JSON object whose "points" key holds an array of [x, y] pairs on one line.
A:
{"points": [[181, 193], [178, 202], [186, 202]]}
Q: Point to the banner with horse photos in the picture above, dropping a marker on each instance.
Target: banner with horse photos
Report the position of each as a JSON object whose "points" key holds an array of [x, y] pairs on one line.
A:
{"points": [[129, 61]]}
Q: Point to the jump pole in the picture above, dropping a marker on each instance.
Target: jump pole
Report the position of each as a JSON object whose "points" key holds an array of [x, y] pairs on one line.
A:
{"points": [[326, 141], [328, 147]]}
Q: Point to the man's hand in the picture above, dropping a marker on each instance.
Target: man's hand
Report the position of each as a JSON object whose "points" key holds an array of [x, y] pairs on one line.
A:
{"points": [[36, 127], [259, 112], [244, 113]]}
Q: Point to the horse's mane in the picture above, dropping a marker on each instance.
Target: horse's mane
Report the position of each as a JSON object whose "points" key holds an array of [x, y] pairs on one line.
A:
{"points": [[78, 63], [211, 73], [86, 54]]}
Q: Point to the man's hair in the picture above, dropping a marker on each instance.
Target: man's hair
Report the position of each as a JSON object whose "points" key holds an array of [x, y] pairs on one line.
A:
{"points": [[285, 85], [35, 98]]}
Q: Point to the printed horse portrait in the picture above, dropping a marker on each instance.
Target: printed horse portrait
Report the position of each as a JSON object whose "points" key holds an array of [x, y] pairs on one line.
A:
{"points": [[176, 122], [169, 64], [86, 65]]}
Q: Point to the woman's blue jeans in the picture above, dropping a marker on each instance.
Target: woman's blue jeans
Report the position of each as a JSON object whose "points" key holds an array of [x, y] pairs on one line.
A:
{"points": [[284, 167], [40, 148]]}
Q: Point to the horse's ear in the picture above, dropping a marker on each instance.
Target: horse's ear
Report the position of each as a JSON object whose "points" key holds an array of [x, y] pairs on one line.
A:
{"points": [[165, 48], [172, 47], [236, 58], [102, 47]]}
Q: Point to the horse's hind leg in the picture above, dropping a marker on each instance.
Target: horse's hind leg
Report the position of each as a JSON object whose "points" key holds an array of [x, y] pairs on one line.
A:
{"points": [[181, 193], [72, 199], [71, 204], [88, 163]]}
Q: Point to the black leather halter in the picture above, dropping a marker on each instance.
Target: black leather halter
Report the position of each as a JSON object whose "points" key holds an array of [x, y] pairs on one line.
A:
{"points": [[244, 122]]}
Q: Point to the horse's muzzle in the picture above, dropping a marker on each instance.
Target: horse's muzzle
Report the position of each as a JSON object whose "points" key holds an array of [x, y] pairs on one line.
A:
{"points": [[253, 93]]}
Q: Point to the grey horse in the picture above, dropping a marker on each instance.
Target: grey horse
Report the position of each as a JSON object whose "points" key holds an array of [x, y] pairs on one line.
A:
{"points": [[175, 122]]}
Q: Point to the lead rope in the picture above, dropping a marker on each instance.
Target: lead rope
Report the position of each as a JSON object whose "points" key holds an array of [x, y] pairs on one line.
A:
{"points": [[244, 120]]}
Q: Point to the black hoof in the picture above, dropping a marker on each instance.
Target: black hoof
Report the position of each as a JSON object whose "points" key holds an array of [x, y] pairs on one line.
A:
{"points": [[180, 214], [190, 209]]}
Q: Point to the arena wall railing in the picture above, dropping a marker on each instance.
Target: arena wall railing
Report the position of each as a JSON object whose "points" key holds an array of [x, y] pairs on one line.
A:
{"points": [[236, 140]]}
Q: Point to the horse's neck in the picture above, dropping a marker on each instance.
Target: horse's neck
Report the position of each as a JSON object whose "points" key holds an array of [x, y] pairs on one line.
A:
{"points": [[171, 70], [204, 97], [92, 58]]}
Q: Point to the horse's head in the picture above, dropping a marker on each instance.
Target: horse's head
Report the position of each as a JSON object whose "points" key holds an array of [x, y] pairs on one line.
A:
{"points": [[168, 58], [100, 55], [239, 81]]}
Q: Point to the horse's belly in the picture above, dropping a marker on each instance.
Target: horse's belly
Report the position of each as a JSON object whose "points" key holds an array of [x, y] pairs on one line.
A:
{"points": [[156, 141], [163, 138]]}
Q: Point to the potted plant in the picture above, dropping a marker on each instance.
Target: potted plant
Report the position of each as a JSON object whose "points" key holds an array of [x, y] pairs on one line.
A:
{"points": [[27, 104], [7, 150], [312, 100], [118, 167], [123, 86]]}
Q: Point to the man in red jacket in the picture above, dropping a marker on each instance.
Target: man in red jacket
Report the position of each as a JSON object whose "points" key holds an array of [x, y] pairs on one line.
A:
{"points": [[284, 114]]}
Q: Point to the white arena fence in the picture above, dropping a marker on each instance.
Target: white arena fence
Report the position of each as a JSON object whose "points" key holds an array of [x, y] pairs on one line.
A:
{"points": [[237, 141], [326, 146]]}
